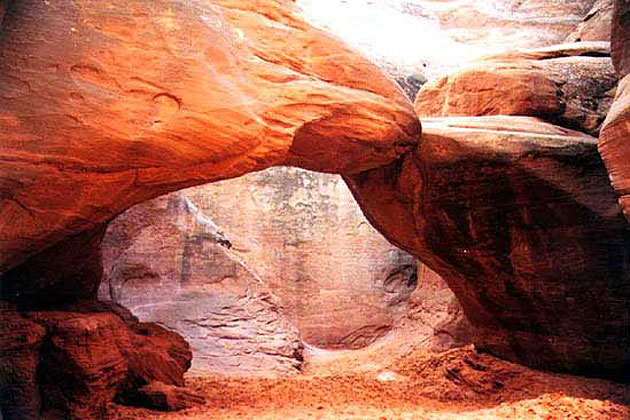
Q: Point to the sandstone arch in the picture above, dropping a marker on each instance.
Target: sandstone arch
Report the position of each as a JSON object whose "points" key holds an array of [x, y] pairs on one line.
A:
{"points": [[105, 105]]}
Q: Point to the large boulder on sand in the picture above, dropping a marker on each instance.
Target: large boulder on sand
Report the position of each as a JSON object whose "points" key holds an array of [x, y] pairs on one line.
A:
{"points": [[519, 218]]}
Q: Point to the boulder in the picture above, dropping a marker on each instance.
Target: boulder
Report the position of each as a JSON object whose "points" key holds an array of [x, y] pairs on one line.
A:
{"points": [[596, 24], [81, 367], [518, 217], [229, 87], [571, 85], [75, 363]]}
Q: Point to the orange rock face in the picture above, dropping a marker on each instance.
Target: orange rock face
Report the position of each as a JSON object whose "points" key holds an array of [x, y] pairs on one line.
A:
{"points": [[107, 104], [78, 360], [620, 39], [518, 217], [614, 142], [572, 85]]}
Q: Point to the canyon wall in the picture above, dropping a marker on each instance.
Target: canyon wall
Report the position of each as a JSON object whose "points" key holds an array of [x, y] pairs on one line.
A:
{"points": [[248, 269], [614, 142]]}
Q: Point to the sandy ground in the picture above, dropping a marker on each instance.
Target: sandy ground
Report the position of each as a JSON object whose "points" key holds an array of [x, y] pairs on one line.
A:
{"points": [[385, 383]]}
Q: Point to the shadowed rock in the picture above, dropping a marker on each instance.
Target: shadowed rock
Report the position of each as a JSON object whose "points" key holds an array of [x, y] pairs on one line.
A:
{"points": [[518, 217]]}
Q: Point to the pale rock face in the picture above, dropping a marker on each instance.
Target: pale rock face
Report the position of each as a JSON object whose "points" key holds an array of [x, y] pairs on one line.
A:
{"points": [[435, 36], [167, 263], [341, 283], [596, 24], [242, 268]]}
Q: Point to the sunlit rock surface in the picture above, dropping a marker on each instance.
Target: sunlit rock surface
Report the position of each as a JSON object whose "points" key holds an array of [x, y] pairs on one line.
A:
{"points": [[572, 85], [434, 36], [107, 104]]}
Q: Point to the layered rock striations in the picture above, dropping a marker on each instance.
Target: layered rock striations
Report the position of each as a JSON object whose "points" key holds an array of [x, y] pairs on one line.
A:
{"points": [[571, 85], [168, 263], [615, 137], [518, 217]]}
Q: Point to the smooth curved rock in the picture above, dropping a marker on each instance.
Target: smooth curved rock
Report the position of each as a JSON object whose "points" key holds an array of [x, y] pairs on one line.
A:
{"points": [[108, 104], [596, 24], [614, 143], [518, 217], [571, 85]]}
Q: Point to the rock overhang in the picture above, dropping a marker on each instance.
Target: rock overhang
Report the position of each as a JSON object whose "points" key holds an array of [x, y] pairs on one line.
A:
{"points": [[97, 117]]}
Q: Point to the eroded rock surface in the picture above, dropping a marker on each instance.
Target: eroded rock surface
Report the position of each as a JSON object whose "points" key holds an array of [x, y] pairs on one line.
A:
{"points": [[572, 85], [518, 217], [340, 282], [168, 263], [614, 142], [20, 344], [596, 25], [69, 364], [229, 87]]}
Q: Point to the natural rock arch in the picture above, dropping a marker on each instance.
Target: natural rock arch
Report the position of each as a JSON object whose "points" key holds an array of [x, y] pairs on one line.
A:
{"points": [[108, 104], [105, 105]]}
